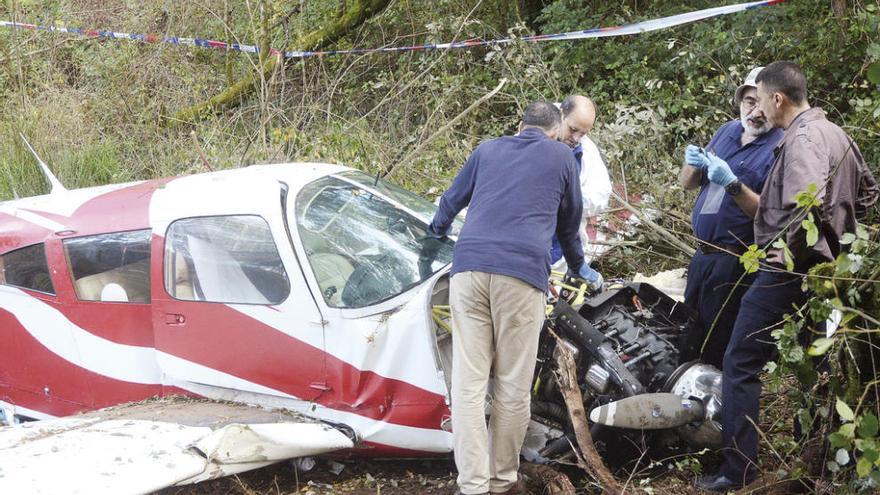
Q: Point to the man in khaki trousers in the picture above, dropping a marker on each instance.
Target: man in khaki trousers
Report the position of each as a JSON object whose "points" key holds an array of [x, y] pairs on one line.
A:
{"points": [[519, 190]]}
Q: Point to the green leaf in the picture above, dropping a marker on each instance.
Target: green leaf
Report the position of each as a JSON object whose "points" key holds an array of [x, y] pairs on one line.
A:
{"points": [[842, 264], [751, 259], [808, 199], [809, 226], [844, 411], [848, 430], [838, 440], [863, 467], [789, 259], [795, 354], [871, 455], [847, 238], [820, 347], [874, 72], [868, 426]]}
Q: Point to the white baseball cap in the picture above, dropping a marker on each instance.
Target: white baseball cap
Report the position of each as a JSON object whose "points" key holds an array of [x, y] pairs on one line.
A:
{"points": [[748, 83]]}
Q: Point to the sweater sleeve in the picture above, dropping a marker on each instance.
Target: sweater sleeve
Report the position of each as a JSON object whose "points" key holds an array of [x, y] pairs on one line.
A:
{"points": [[456, 197], [568, 219]]}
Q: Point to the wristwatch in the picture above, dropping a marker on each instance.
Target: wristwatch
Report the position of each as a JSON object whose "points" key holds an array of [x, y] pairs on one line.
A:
{"points": [[734, 188]]}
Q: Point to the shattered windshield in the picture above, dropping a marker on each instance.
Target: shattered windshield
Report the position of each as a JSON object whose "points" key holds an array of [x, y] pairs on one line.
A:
{"points": [[362, 248], [422, 207]]}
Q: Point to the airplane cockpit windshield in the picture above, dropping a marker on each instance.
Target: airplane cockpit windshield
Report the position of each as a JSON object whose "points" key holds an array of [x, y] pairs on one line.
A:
{"points": [[363, 248]]}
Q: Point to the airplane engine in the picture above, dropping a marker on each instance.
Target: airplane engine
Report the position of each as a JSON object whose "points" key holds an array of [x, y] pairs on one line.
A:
{"points": [[627, 345]]}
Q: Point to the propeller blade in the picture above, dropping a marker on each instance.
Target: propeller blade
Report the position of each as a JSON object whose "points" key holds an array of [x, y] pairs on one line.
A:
{"points": [[648, 412]]}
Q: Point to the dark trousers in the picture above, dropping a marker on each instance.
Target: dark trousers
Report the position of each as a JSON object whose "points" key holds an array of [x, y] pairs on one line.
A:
{"points": [[769, 298], [710, 279]]}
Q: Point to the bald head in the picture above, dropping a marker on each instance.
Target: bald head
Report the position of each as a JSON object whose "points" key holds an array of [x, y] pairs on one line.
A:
{"points": [[578, 117]]}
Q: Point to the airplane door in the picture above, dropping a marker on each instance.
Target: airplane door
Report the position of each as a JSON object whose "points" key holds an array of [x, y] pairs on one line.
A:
{"points": [[230, 307]]}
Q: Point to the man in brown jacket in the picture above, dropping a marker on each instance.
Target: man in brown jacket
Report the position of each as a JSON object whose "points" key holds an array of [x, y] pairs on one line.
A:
{"points": [[816, 152]]}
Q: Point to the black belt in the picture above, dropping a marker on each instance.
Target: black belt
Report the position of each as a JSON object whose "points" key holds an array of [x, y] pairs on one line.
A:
{"points": [[722, 248]]}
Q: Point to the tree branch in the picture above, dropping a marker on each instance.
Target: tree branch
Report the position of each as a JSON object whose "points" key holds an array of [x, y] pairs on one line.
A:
{"points": [[418, 149], [319, 38], [574, 401]]}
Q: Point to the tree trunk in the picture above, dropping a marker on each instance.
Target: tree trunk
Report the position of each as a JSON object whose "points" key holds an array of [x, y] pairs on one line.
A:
{"points": [[574, 401], [351, 18], [839, 8]]}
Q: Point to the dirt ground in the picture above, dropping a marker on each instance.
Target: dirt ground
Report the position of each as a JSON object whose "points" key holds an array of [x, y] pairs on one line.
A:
{"points": [[400, 477], [357, 477]]}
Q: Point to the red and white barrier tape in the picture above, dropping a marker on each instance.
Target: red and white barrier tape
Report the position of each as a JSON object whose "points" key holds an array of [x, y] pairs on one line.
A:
{"points": [[639, 27]]}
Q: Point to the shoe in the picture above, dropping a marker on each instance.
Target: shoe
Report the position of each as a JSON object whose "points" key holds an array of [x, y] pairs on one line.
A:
{"points": [[716, 483], [518, 488]]}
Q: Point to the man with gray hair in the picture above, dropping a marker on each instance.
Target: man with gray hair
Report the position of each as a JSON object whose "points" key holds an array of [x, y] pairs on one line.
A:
{"points": [[519, 191], [722, 220], [578, 118]]}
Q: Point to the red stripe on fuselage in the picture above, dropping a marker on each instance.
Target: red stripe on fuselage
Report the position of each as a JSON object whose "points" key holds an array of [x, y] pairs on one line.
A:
{"points": [[251, 350], [122, 323], [34, 377], [16, 233], [114, 211]]}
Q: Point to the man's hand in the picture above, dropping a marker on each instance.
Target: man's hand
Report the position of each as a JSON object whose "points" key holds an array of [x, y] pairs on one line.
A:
{"points": [[431, 244], [435, 232], [719, 171], [695, 157], [587, 275]]}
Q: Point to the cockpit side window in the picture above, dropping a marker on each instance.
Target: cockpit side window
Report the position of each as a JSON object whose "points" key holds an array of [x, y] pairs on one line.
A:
{"points": [[113, 267], [228, 259], [27, 268]]}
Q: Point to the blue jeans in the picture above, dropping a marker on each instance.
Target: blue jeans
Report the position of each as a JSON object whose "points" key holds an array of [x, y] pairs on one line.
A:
{"points": [[770, 297]]}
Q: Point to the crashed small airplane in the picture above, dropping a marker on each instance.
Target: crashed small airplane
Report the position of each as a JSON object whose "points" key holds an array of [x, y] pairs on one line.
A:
{"points": [[292, 310]]}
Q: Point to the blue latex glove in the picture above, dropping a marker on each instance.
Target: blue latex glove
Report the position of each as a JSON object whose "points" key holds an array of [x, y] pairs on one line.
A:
{"points": [[594, 279], [695, 157], [719, 171]]}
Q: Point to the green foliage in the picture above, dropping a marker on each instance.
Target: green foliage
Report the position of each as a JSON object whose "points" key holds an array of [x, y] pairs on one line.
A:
{"points": [[751, 259], [848, 288], [96, 111]]}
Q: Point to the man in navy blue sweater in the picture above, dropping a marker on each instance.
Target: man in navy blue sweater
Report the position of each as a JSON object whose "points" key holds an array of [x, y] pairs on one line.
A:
{"points": [[519, 190]]}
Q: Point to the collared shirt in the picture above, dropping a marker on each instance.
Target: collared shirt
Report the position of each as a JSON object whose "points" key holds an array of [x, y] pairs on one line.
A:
{"points": [[519, 190], [814, 151], [716, 218]]}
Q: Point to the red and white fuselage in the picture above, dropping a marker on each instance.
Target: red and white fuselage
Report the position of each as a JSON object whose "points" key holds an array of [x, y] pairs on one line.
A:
{"points": [[82, 341]]}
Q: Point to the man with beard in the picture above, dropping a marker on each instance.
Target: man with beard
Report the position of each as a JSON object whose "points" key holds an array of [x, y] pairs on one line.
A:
{"points": [[814, 152], [722, 219]]}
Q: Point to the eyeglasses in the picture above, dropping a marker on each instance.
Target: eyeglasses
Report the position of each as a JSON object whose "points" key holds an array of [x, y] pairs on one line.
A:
{"points": [[749, 103]]}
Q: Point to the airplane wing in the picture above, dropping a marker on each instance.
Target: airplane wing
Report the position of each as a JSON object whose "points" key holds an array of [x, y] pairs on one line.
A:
{"points": [[143, 447]]}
